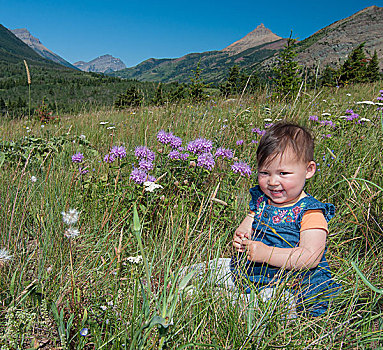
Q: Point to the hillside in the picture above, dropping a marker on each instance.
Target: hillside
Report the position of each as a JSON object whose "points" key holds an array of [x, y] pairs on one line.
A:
{"points": [[215, 65], [332, 44], [35, 44]]}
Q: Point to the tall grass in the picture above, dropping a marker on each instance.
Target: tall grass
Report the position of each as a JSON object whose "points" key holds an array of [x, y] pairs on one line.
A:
{"points": [[85, 294]]}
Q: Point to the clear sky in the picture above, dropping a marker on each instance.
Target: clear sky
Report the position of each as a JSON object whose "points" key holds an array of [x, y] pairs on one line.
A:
{"points": [[135, 30]]}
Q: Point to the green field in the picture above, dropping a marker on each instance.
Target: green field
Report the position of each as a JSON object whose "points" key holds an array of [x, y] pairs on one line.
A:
{"points": [[92, 292]]}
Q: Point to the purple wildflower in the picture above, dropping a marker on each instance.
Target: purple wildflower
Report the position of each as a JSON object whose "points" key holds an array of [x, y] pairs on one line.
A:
{"points": [[145, 165], [176, 155], [164, 137], [258, 131], [83, 171], [268, 125], [139, 176], [241, 168], [328, 135], [224, 153], [254, 141], [327, 123], [206, 160], [239, 142], [200, 146], [151, 178], [118, 151], [175, 142], [77, 158], [313, 118], [144, 152], [109, 158]]}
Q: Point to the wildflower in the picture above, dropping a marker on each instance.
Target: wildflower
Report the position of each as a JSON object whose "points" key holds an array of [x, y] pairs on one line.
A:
{"points": [[83, 171], [326, 114], [206, 160], [104, 123], [84, 332], [4, 257], [145, 165], [258, 131], [313, 118], [268, 125], [176, 155], [135, 259], [365, 103], [144, 152], [241, 168], [151, 178], [77, 158], [71, 232], [239, 142], [110, 127], [164, 137], [118, 151], [109, 158], [138, 175], [33, 178], [175, 142], [151, 186], [200, 146], [362, 120], [82, 137], [267, 120], [224, 153], [327, 123], [71, 217], [254, 141], [103, 307]]}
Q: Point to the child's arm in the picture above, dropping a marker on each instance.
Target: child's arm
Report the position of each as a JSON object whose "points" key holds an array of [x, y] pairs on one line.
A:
{"points": [[307, 255], [243, 231]]}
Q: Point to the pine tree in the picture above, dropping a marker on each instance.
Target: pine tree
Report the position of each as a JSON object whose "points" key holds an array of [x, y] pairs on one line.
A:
{"points": [[287, 79], [372, 69], [354, 69], [197, 86]]}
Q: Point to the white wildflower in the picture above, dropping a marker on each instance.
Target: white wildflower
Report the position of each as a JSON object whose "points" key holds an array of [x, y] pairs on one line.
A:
{"points": [[104, 123], [82, 137], [4, 257], [135, 259], [268, 120], [364, 120], [43, 126], [326, 114], [151, 186], [324, 100], [111, 127], [33, 178], [71, 217], [348, 94], [71, 232], [103, 307]]}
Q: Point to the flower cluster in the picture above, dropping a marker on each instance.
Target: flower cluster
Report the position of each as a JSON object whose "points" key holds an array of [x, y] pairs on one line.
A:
{"points": [[206, 160], [70, 218], [139, 176], [144, 152], [177, 155], [258, 131], [200, 146], [168, 138], [77, 158], [224, 153], [117, 152], [380, 98], [241, 168]]}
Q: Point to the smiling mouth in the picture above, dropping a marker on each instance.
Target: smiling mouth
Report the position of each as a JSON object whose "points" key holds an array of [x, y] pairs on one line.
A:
{"points": [[276, 193]]}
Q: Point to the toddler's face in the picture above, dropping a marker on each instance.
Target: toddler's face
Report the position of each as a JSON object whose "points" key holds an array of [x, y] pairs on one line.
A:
{"points": [[283, 178]]}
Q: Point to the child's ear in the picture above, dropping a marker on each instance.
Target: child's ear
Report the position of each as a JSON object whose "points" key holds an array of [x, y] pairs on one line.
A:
{"points": [[311, 168]]}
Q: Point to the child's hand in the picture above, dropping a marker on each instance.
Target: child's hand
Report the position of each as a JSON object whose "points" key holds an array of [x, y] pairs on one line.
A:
{"points": [[256, 251], [238, 238]]}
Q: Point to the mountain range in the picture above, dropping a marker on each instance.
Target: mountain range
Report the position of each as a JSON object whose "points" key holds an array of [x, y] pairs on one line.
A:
{"points": [[255, 52]]}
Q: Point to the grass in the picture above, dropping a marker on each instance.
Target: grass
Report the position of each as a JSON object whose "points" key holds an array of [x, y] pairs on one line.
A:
{"points": [[83, 293]]}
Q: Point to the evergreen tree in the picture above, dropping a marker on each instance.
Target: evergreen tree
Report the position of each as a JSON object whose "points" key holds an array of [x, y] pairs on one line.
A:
{"points": [[197, 86], [287, 78], [3, 107], [159, 98], [132, 98], [372, 69], [329, 77], [354, 69]]}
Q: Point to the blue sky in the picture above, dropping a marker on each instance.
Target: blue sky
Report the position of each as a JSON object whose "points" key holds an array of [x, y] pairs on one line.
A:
{"points": [[137, 30]]}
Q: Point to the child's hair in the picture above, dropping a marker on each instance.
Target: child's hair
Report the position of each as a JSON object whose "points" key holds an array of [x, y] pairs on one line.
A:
{"points": [[282, 136]]}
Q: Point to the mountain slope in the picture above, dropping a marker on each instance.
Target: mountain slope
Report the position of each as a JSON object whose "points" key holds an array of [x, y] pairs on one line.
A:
{"points": [[215, 65], [35, 44], [101, 64]]}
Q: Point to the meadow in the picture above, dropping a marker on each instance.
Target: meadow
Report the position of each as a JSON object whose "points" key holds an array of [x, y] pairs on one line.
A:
{"points": [[90, 256]]}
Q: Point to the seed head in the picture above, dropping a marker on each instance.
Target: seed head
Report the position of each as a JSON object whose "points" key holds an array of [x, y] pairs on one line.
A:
{"points": [[71, 217]]}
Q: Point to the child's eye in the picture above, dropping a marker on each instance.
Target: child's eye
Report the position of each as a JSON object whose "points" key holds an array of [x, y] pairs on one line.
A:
{"points": [[263, 173], [284, 173]]}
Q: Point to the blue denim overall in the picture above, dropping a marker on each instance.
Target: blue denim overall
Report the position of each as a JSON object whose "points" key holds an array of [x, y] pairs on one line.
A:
{"points": [[280, 227]]}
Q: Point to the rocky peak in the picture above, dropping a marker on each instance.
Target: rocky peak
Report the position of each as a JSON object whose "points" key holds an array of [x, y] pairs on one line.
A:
{"points": [[260, 35], [101, 64]]}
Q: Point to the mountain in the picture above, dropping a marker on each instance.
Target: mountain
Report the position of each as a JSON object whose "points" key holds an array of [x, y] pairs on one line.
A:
{"points": [[332, 44], [253, 48], [260, 35], [102, 64], [35, 44]]}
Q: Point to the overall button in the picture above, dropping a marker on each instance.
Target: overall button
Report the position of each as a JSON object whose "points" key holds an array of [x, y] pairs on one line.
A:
{"points": [[265, 215], [268, 207]]}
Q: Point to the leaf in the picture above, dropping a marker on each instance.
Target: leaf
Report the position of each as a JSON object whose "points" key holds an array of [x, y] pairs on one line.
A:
{"points": [[136, 220], [186, 280]]}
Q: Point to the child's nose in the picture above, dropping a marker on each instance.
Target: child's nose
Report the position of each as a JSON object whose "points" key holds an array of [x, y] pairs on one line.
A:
{"points": [[273, 180]]}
